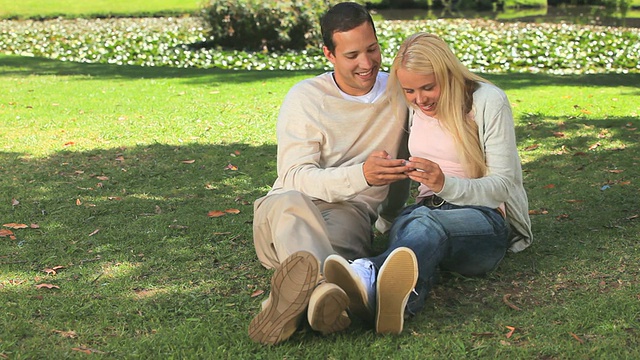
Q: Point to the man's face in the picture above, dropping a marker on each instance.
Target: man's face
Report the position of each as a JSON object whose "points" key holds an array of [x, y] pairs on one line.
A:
{"points": [[356, 59]]}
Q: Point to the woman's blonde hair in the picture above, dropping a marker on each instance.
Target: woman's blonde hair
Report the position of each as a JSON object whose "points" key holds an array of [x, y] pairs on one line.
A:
{"points": [[427, 54]]}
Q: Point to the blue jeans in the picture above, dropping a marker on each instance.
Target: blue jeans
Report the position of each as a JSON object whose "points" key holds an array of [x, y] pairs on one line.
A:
{"points": [[469, 240]]}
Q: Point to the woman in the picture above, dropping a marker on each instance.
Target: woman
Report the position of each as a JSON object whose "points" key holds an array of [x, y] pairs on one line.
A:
{"points": [[471, 207]]}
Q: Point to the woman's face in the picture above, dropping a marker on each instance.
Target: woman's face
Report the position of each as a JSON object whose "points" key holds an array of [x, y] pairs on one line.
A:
{"points": [[420, 90]]}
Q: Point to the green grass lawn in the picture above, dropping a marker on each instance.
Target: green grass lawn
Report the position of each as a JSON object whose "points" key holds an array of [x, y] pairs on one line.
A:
{"points": [[117, 168], [73, 8]]}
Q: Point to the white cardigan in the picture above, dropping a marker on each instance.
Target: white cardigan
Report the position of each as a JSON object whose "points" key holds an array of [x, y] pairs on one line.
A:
{"points": [[503, 183]]}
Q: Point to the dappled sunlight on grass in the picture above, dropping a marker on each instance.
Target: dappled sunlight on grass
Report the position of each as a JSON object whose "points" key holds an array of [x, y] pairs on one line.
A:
{"points": [[144, 268]]}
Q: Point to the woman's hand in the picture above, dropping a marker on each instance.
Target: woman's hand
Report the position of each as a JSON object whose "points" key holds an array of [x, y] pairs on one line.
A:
{"points": [[426, 172]]}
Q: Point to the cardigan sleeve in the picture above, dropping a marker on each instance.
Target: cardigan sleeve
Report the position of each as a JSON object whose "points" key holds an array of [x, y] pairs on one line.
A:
{"points": [[497, 136]]}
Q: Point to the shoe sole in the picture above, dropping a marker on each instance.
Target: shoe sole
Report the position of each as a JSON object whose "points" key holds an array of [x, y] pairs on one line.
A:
{"points": [[338, 271], [326, 312], [291, 288], [396, 279]]}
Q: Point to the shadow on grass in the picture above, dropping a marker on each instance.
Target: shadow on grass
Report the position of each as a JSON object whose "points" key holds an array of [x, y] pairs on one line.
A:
{"points": [[23, 66], [134, 195], [141, 257]]}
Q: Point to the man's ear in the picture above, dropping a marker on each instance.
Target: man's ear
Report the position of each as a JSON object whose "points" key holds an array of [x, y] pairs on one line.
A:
{"points": [[329, 55]]}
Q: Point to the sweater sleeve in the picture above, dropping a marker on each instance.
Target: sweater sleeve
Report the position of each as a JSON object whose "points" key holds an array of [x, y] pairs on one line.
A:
{"points": [[302, 146], [497, 135]]}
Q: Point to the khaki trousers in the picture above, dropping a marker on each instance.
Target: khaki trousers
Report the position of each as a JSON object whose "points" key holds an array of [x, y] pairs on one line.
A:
{"points": [[284, 223]]}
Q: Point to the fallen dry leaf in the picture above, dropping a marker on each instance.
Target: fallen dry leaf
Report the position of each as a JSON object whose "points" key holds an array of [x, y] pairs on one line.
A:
{"points": [[15, 226], [215, 213], [84, 350], [103, 178], [48, 286], [558, 134], [615, 171], [505, 299], [7, 233], [257, 293], [549, 186], [531, 147], [538, 212], [577, 338], [232, 211], [231, 167], [94, 232], [511, 331], [53, 270], [594, 146], [78, 202], [34, 226], [68, 334], [14, 202], [188, 161]]}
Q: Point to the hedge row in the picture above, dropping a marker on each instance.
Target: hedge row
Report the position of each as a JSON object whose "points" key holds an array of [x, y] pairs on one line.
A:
{"points": [[484, 46]]}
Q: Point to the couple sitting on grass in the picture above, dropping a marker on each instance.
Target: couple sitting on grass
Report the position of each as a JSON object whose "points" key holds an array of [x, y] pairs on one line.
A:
{"points": [[350, 142]]}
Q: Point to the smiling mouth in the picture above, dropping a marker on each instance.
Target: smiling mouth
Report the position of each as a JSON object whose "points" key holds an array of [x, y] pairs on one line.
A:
{"points": [[365, 74], [428, 107]]}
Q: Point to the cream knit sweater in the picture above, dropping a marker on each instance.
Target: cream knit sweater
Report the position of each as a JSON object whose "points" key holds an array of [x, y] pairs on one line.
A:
{"points": [[323, 141]]}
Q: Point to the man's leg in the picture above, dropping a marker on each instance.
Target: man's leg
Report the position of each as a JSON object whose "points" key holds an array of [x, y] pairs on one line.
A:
{"points": [[290, 222], [285, 223]]}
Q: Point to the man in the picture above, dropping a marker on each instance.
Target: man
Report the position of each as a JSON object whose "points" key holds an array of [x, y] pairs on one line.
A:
{"points": [[340, 147]]}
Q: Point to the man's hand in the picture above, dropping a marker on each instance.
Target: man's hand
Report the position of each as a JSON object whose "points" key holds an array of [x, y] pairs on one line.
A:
{"points": [[379, 169], [426, 172]]}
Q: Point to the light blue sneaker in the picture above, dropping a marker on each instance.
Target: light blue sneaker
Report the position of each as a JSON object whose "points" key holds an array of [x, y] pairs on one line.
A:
{"points": [[357, 279]]}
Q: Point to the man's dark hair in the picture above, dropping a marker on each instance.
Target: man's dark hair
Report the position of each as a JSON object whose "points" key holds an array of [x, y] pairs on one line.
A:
{"points": [[343, 17]]}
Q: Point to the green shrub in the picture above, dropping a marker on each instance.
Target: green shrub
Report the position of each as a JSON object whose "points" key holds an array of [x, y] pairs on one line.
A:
{"points": [[526, 4], [260, 24]]}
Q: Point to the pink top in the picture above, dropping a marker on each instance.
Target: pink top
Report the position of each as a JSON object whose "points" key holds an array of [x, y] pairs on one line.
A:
{"points": [[431, 141]]}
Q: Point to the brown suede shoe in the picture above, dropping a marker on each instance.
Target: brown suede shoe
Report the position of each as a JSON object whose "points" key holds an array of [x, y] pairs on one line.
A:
{"points": [[291, 287]]}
